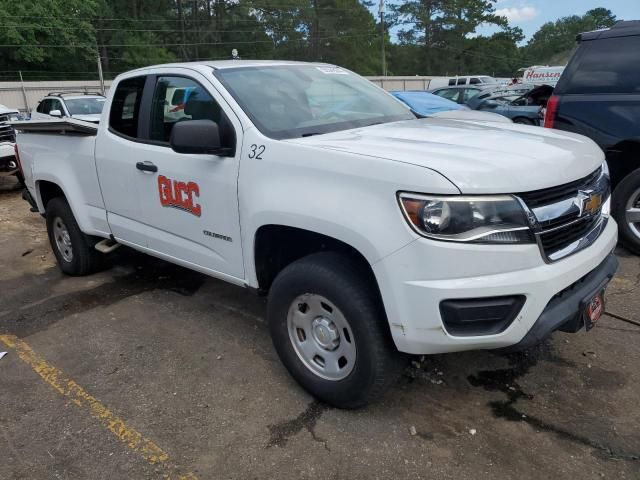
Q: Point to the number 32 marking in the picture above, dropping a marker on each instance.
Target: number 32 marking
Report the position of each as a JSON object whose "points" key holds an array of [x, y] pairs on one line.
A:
{"points": [[256, 151]]}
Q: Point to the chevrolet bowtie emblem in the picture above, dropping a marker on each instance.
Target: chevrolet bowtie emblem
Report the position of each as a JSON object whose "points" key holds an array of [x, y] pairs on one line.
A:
{"points": [[588, 202]]}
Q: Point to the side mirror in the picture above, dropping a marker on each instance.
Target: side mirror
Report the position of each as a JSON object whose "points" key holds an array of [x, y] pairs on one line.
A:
{"points": [[56, 113], [197, 136]]}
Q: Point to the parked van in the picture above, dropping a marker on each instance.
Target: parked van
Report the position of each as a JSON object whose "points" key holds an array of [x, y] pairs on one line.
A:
{"points": [[481, 80]]}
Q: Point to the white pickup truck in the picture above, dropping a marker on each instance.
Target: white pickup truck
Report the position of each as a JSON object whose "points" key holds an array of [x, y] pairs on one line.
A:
{"points": [[374, 234]]}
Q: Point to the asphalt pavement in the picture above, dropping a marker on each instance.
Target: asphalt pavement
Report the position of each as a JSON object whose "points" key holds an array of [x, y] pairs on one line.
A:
{"points": [[148, 370]]}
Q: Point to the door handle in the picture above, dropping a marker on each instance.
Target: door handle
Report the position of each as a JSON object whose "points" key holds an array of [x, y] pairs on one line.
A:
{"points": [[146, 167]]}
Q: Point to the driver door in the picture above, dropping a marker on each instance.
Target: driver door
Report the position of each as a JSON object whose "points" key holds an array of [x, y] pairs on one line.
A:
{"points": [[189, 201]]}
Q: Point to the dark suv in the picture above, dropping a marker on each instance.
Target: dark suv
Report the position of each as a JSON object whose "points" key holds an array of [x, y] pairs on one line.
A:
{"points": [[598, 96]]}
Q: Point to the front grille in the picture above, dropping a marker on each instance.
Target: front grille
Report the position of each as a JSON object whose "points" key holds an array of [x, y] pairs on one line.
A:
{"points": [[564, 226], [547, 196], [6, 131], [561, 237]]}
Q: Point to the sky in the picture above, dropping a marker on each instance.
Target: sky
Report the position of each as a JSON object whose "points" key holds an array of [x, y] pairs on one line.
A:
{"points": [[529, 15]]}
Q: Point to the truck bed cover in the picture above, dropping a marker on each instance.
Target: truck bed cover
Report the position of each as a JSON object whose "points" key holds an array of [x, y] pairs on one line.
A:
{"points": [[59, 126]]}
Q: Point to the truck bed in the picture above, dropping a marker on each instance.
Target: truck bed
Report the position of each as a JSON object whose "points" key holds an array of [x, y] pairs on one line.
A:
{"points": [[61, 152]]}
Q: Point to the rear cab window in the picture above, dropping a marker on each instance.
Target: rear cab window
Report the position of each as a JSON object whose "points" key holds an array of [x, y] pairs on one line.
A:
{"points": [[124, 114]]}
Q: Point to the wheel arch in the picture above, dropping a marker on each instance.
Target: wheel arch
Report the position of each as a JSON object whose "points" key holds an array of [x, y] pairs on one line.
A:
{"points": [[48, 187], [276, 246], [623, 158], [46, 191]]}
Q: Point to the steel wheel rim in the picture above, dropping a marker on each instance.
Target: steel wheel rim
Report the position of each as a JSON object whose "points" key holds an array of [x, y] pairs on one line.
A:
{"points": [[62, 239], [632, 213], [321, 337]]}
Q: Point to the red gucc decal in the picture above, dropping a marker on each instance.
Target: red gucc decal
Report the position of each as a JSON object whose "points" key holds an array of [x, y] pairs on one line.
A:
{"points": [[181, 195]]}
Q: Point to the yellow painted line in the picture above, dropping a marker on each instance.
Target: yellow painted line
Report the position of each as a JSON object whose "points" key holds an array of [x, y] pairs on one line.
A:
{"points": [[133, 439]]}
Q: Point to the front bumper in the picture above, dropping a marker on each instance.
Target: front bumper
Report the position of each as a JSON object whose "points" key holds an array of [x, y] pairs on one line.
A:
{"points": [[417, 278], [564, 311]]}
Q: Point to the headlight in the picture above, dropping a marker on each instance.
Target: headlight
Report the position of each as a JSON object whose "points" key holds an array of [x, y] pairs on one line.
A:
{"points": [[15, 117], [481, 219]]}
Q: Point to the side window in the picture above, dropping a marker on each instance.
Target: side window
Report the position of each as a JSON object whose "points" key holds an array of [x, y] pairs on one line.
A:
{"points": [[450, 94], [469, 93], [44, 106], [474, 81], [177, 99], [125, 107], [462, 81], [607, 66], [56, 105], [452, 82]]}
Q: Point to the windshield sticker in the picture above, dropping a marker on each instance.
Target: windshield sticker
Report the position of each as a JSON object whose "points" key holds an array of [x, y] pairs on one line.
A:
{"points": [[329, 70], [180, 195]]}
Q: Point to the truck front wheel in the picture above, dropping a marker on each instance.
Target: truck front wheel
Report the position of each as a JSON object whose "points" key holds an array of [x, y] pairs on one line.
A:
{"points": [[73, 249], [626, 210], [329, 328]]}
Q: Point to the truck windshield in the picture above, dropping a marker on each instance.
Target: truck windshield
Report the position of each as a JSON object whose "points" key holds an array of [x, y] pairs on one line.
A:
{"points": [[85, 106], [302, 100]]}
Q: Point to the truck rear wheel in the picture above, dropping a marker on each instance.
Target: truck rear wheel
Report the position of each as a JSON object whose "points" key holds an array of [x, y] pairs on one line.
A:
{"points": [[626, 210], [73, 249], [329, 328]]}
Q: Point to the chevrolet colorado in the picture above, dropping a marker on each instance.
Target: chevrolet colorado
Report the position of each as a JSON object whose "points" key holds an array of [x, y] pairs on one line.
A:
{"points": [[374, 234]]}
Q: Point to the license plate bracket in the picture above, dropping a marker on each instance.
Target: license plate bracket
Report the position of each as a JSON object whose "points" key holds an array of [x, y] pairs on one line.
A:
{"points": [[592, 309]]}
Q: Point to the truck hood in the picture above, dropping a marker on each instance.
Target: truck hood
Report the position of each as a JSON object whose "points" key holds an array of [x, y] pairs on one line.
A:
{"points": [[478, 157]]}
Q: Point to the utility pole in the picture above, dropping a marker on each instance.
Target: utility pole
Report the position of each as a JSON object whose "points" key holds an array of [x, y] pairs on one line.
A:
{"points": [[384, 58], [24, 93], [100, 74]]}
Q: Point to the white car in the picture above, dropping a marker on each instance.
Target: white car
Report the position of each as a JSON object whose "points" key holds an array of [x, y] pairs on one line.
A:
{"points": [[373, 233], [81, 106], [8, 164]]}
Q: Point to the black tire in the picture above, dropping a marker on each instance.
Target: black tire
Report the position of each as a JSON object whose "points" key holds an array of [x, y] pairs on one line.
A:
{"points": [[20, 179], [522, 121], [85, 258], [623, 193], [342, 281]]}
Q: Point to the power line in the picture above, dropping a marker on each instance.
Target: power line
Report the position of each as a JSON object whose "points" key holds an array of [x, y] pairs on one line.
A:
{"points": [[239, 42], [213, 30], [187, 17]]}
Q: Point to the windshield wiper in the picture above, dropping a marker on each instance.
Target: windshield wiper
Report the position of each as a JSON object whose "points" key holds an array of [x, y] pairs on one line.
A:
{"points": [[311, 134]]}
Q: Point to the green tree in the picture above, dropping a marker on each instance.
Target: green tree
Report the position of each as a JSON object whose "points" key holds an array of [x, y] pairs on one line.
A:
{"points": [[47, 33], [557, 37], [335, 31], [443, 28]]}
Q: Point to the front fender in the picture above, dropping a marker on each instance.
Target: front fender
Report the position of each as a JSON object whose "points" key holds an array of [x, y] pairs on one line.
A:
{"points": [[344, 196]]}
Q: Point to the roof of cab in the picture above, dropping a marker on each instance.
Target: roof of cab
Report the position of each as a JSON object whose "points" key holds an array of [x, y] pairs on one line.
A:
{"points": [[619, 29], [224, 64]]}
